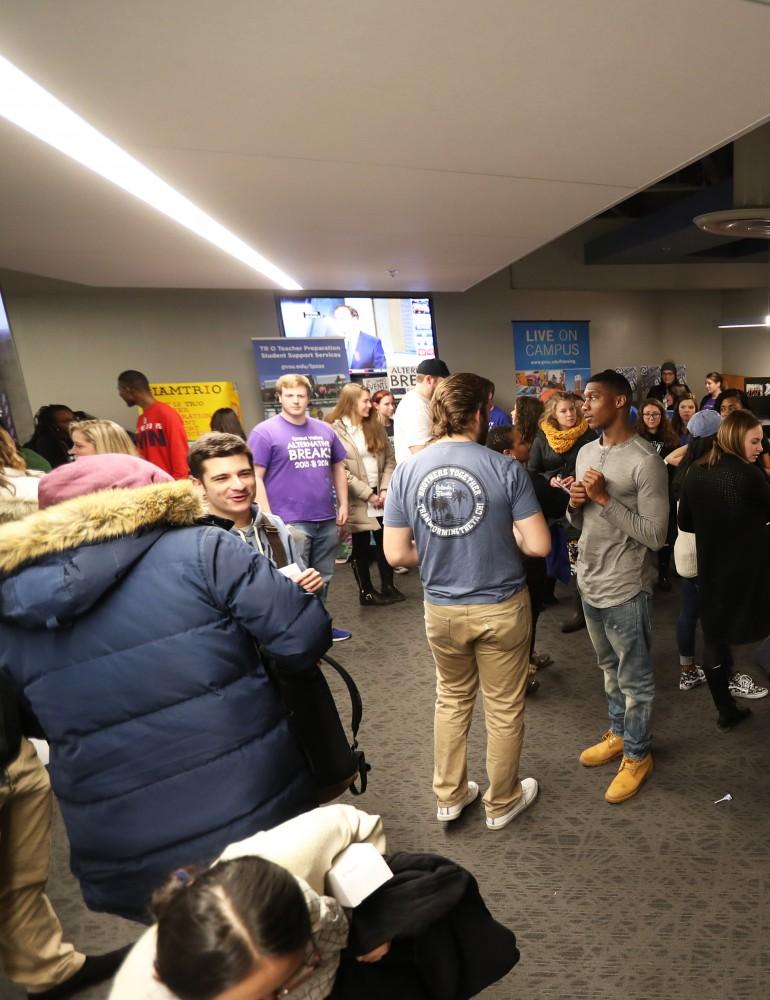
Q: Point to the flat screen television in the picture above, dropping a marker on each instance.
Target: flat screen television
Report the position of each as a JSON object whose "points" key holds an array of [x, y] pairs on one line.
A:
{"points": [[378, 331]]}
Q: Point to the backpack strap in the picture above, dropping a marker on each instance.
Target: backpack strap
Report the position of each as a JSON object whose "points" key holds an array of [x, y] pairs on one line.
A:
{"points": [[274, 537], [357, 711]]}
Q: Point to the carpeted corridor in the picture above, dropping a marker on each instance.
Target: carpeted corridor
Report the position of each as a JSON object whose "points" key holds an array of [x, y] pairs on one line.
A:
{"points": [[664, 896]]}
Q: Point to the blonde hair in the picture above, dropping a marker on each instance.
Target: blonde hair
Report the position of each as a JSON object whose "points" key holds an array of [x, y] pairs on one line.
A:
{"points": [[347, 407], [8, 454], [549, 414], [292, 381], [107, 437], [731, 435]]}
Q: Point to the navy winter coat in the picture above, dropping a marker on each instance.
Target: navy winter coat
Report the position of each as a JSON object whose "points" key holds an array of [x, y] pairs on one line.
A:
{"points": [[131, 632]]}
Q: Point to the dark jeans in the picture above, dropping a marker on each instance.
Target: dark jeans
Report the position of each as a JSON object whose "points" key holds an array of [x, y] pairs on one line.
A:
{"points": [[687, 621]]}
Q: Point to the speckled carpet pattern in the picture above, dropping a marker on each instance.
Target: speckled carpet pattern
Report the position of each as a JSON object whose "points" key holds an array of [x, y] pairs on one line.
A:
{"points": [[664, 896]]}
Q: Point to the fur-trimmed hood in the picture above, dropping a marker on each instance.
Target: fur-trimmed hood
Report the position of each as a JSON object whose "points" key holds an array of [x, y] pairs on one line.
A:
{"points": [[55, 563]]}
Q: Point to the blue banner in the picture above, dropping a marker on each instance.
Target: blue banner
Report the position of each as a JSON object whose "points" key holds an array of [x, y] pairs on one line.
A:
{"points": [[544, 344], [321, 359]]}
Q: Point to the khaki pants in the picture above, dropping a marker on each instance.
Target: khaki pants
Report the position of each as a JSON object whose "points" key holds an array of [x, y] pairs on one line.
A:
{"points": [[31, 948], [485, 644]]}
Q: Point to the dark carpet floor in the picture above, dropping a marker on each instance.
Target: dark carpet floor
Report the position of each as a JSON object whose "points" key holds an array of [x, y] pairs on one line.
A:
{"points": [[664, 896]]}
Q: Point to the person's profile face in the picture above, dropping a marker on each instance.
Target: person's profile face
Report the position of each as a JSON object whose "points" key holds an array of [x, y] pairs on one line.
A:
{"points": [[126, 394], [363, 406], [600, 405], [752, 444], [712, 387], [81, 445]]}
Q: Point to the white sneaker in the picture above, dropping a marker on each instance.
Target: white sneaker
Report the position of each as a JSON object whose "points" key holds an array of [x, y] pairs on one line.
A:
{"points": [[529, 790], [743, 686], [444, 814]]}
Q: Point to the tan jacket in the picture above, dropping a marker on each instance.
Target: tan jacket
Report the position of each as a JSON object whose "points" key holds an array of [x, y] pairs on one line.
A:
{"points": [[359, 489]]}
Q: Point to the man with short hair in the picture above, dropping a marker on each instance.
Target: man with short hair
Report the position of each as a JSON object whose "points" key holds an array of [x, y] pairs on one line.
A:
{"points": [[412, 427], [465, 515], [301, 462], [619, 501], [364, 351], [222, 466], [160, 434]]}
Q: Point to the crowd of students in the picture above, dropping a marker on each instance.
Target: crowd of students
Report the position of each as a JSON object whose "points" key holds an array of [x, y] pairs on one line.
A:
{"points": [[142, 603]]}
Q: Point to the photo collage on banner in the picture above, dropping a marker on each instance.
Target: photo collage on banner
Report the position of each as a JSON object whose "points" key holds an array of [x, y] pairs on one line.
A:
{"points": [[550, 356], [321, 359]]}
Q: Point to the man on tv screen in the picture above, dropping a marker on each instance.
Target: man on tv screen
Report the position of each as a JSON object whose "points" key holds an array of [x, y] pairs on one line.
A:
{"points": [[364, 350]]}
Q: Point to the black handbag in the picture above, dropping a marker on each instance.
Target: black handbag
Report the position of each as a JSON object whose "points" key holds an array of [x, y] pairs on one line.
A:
{"points": [[335, 762]]}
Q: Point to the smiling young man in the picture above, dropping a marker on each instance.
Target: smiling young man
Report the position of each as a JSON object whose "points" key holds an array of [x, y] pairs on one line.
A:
{"points": [[619, 500], [222, 466]]}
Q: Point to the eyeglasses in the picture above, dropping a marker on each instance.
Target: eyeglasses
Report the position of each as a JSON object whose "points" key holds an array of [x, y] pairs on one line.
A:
{"points": [[310, 965]]}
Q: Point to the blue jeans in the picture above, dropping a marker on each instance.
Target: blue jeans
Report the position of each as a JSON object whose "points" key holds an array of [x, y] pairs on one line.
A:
{"points": [[688, 620], [319, 548], [621, 638]]}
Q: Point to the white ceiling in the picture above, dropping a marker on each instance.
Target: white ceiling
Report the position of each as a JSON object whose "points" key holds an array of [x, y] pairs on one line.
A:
{"points": [[344, 137]]}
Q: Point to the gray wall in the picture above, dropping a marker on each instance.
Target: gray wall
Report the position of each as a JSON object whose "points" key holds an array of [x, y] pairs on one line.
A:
{"points": [[73, 341]]}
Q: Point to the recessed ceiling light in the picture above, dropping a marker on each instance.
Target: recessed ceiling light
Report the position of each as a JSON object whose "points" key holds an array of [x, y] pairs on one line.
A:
{"points": [[31, 107]]}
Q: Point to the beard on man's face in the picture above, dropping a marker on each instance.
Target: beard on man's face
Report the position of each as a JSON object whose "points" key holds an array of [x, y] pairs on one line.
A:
{"points": [[483, 431]]}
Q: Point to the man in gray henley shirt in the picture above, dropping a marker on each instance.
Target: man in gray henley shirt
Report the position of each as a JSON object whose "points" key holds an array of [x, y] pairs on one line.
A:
{"points": [[619, 500]]}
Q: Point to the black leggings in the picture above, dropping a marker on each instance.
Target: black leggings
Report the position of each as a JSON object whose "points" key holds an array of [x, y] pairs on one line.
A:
{"points": [[361, 543]]}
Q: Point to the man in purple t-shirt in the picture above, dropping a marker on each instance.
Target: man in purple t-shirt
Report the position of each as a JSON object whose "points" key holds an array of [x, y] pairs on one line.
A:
{"points": [[299, 459]]}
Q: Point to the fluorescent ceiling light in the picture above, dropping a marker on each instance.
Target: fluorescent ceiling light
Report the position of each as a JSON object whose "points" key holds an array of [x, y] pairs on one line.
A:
{"points": [[28, 105], [743, 326]]}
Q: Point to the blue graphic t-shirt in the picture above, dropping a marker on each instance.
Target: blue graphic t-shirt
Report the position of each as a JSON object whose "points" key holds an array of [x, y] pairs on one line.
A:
{"points": [[460, 500]]}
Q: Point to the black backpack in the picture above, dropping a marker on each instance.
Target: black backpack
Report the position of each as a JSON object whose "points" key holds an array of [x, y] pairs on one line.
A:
{"points": [[335, 761]]}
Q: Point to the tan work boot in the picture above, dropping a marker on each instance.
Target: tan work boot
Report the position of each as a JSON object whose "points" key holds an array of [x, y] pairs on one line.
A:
{"points": [[608, 748], [629, 778]]}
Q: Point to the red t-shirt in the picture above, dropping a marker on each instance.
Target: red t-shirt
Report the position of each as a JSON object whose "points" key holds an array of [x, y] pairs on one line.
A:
{"points": [[162, 440]]}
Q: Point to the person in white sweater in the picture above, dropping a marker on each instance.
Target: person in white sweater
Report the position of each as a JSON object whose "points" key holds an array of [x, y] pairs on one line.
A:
{"points": [[307, 847]]}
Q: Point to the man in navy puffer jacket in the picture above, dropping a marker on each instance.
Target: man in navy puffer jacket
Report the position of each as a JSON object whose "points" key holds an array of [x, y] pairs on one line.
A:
{"points": [[131, 630]]}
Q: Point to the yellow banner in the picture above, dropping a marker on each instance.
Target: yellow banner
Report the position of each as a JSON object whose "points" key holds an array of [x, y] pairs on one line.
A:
{"points": [[195, 402]]}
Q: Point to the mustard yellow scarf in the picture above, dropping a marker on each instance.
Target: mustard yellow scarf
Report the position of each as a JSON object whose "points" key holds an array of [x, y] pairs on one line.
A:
{"points": [[561, 441]]}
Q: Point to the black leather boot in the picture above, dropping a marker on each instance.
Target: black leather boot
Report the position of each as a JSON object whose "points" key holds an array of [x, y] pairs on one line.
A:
{"points": [[367, 595]]}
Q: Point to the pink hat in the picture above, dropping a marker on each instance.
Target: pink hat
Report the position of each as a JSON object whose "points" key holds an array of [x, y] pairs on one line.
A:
{"points": [[97, 472]]}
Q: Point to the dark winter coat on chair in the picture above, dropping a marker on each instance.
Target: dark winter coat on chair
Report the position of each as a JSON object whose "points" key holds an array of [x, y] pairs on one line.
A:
{"points": [[131, 632]]}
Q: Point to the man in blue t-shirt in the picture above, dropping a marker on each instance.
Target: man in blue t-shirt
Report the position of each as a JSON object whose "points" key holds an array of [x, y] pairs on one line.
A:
{"points": [[465, 515]]}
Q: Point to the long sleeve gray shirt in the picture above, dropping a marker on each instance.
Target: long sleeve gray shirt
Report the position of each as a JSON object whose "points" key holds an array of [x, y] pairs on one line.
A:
{"points": [[618, 541]]}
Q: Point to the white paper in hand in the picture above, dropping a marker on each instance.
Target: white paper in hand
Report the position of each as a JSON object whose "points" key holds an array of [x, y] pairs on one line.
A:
{"points": [[292, 571]]}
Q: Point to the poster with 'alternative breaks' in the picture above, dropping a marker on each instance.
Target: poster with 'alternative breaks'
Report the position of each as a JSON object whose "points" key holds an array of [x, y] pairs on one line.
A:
{"points": [[550, 355]]}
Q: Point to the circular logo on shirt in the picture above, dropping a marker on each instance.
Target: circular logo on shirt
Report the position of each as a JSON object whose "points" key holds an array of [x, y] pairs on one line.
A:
{"points": [[451, 501]]}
